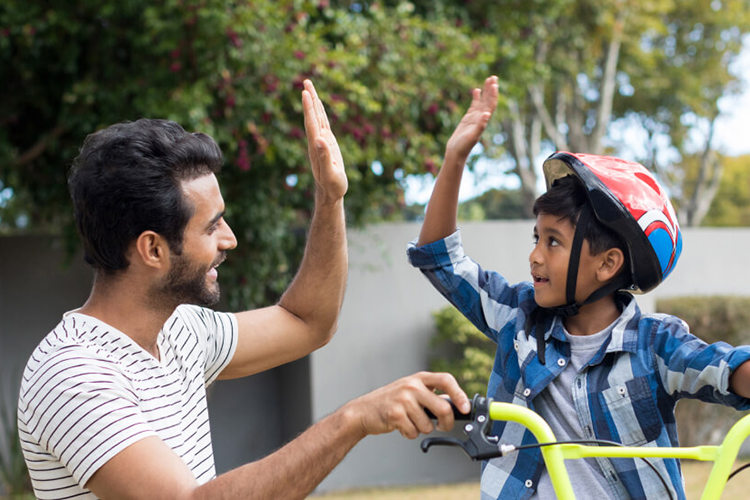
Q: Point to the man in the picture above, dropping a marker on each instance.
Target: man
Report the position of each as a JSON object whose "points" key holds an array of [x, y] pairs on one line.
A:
{"points": [[113, 400]]}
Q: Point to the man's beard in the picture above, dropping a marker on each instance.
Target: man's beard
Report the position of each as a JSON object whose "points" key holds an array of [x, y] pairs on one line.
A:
{"points": [[187, 283]]}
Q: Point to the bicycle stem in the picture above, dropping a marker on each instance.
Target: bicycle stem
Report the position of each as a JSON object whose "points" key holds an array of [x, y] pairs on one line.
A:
{"points": [[541, 430]]}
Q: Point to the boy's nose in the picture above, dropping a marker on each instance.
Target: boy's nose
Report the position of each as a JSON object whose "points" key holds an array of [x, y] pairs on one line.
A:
{"points": [[535, 256]]}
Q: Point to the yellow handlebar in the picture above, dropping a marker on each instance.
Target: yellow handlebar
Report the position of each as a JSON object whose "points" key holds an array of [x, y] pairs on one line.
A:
{"points": [[554, 455]]}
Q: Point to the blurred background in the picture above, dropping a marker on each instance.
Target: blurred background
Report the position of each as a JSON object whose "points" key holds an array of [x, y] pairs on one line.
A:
{"points": [[657, 81], [661, 82]]}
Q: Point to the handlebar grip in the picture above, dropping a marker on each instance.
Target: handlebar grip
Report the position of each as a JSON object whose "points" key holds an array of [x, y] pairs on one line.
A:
{"points": [[457, 415]]}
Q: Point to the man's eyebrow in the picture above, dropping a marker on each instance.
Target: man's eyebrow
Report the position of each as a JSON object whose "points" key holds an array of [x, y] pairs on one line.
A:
{"points": [[215, 219]]}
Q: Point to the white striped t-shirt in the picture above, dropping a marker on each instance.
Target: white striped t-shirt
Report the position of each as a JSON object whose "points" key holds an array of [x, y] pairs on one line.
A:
{"points": [[89, 391]]}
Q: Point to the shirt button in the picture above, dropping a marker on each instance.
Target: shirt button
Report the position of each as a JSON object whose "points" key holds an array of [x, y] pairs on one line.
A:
{"points": [[561, 362], [526, 392], [516, 345], [528, 483]]}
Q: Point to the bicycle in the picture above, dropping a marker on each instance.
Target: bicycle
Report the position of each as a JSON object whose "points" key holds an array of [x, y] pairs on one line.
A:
{"points": [[480, 445]]}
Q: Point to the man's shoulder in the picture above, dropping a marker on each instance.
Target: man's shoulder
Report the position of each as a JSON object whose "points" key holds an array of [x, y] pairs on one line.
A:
{"points": [[80, 340], [196, 318]]}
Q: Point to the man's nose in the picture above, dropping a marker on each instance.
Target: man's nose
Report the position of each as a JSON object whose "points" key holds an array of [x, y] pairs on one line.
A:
{"points": [[229, 240]]}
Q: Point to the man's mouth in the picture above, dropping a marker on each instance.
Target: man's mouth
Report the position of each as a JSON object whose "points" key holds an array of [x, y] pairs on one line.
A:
{"points": [[213, 273]]}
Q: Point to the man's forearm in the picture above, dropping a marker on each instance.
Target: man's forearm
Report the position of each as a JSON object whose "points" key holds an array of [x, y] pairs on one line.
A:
{"points": [[293, 471], [317, 291]]}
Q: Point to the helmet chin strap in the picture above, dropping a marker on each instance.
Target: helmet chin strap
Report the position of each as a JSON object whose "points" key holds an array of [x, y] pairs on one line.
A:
{"points": [[571, 308]]}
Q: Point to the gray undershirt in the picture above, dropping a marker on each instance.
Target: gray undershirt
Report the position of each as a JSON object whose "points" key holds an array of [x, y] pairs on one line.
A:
{"points": [[555, 405]]}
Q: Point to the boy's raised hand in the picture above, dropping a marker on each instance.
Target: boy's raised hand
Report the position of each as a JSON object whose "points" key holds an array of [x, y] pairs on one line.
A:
{"points": [[440, 216], [466, 135]]}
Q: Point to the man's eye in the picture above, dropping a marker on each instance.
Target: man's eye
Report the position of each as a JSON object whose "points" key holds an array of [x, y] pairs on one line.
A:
{"points": [[214, 227]]}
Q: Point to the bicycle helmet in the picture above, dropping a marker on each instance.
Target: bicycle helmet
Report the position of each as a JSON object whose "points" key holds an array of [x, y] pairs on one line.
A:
{"points": [[627, 199]]}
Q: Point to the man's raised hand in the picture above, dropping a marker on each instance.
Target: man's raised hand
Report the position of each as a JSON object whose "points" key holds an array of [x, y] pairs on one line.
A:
{"points": [[325, 156]]}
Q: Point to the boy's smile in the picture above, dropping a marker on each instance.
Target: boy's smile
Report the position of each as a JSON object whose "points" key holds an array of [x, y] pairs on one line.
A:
{"points": [[553, 238]]}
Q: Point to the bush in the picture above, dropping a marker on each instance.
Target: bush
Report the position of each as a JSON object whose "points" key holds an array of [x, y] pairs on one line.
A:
{"points": [[713, 319], [462, 350], [14, 477]]}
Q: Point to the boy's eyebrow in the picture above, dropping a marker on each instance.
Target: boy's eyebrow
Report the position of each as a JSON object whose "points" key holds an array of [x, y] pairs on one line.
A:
{"points": [[553, 231]]}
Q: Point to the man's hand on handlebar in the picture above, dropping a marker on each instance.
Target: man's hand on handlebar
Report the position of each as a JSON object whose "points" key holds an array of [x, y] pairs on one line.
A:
{"points": [[401, 405]]}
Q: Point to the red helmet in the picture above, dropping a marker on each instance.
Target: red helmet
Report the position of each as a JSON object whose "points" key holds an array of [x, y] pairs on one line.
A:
{"points": [[627, 199]]}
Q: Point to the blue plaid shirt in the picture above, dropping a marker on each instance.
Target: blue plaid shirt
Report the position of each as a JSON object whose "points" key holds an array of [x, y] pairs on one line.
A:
{"points": [[626, 393]]}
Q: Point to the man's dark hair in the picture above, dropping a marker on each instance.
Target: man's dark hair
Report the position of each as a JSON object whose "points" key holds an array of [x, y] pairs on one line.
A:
{"points": [[565, 199], [126, 180]]}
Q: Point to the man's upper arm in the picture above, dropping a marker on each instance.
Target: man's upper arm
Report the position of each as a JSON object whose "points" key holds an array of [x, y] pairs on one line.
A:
{"points": [[269, 337], [145, 469]]}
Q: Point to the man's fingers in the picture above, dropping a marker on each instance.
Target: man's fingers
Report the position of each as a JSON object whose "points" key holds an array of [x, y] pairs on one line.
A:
{"points": [[320, 112], [446, 383]]}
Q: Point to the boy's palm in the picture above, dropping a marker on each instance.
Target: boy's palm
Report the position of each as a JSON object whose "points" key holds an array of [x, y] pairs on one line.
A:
{"points": [[483, 104]]}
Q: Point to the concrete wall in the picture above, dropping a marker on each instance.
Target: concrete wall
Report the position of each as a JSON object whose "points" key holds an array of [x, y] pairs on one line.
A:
{"points": [[384, 333], [386, 325]]}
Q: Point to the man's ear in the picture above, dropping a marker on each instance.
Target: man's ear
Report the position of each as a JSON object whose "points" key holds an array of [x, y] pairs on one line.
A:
{"points": [[611, 263], [151, 249]]}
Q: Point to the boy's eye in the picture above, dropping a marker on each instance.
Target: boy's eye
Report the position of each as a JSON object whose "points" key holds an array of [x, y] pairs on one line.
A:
{"points": [[553, 242], [535, 239]]}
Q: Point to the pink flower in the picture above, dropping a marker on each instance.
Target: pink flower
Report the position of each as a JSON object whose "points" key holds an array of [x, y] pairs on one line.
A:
{"points": [[175, 67], [430, 166], [296, 133]]}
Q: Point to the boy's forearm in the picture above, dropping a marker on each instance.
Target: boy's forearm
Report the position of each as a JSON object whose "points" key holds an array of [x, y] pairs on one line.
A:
{"points": [[442, 209], [739, 380]]}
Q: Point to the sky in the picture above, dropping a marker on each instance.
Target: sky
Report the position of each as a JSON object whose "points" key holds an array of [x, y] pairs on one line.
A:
{"points": [[732, 138]]}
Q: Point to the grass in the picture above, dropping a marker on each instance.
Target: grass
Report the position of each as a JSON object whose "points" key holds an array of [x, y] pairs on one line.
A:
{"points": [[695, 473]]}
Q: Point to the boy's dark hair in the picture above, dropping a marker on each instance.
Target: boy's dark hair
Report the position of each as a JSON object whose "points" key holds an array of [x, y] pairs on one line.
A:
{"points": [[126, 180], [565, 199]]}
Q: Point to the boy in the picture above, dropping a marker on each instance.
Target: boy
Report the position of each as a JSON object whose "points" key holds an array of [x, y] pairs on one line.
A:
{"points": [[573, 344]]}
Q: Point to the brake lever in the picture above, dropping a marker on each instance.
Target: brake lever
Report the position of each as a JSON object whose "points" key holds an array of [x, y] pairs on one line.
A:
{"points": [[479, 445]]}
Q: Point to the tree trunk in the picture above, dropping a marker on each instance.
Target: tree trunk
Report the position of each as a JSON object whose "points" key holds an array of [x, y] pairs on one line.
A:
{"points": [[706, 184]]}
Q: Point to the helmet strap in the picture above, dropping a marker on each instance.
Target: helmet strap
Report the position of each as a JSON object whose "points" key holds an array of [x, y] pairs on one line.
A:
{"points": [[571, 308]]}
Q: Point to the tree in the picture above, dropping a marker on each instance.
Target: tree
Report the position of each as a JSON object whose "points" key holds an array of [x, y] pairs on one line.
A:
{"points": [[233, 70], [493, 204], [578, 66], [731, 205]]}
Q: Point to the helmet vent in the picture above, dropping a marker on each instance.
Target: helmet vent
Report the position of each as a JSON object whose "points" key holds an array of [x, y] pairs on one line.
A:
{"points": [[648, 180]]}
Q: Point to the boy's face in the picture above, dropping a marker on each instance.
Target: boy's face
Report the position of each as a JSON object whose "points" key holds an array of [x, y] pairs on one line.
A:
{"points": [[549, 260]]}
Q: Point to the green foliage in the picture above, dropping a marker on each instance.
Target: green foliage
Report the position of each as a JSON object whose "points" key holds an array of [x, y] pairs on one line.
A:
{"points": [[731, 205], [462, 350], [713, 319], [233, 70], [492, 205], [13, 473]]}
